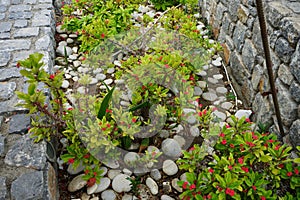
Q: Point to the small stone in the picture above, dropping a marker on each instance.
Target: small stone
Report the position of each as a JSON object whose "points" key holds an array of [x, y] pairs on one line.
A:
{"points": [[75, 78], [104, 171], [202, 73], [164, 134], [73, 36], [127, 172], [197, 91], [183, 177], [59, 29], [92, 189], [209, 96], [100, 77], [73, 56], [85, 196], [81, 90], [117, 63], [108, 195], [61, 50], [226, 105], [202, 84], [218, 76], [119, 81], [110, 70], [77, 183], [125, 103], [95, 198], [171, 148], [2, 148], [65, 84], [177, 129], [169, 167], [75, 49], [70, 41], [62, 43], [152, 185], [131, 158], [108, 81], [103, 185], [166, 197], [93, 81], [113, 173], [212, 80], [113, 164], [220, 115], [64, 36], [129, 197], [7, 90], [76, 64], [77, 170], [221, 90], [97, 71], [216, 63], [155, 174], [243, 113], [167, 187], [180, 140], [175, 185], [195, 131], [121, 184]]}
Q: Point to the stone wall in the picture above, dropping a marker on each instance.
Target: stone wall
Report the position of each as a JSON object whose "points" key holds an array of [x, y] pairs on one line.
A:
{"points": [[235, 25]]}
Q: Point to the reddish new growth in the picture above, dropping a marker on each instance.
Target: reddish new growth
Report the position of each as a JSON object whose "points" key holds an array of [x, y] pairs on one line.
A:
{"points": [[229, 191], [71, 160]]}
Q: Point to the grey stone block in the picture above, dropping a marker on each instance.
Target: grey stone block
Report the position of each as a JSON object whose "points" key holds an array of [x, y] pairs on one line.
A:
{"points": [[239, 36], [28, 186], [11, 45], [295, 63], [7, 90], [288, 107], [2, 149], [238, 68], [9, 106], [276, 12], [285, 75], [4, 58], [248, 54], [295, 133], [19, 8], [283, 49], [2, 16], [21, 23], [42, 19], [295, 91], [26, 32], [26, 153], [290, 27], [14, 2], [3, 188], [5, 26], [20, 15], [4, 35], [19, 123], [8, 73], [44, 43], [30, 1], [5, 2]]}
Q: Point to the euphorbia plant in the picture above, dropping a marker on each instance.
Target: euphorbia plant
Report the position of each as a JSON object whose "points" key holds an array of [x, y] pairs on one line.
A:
{"points": [[246, 165]]}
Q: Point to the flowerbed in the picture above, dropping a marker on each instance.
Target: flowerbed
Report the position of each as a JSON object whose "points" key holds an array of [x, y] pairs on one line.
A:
{"points": [[156, 72]]}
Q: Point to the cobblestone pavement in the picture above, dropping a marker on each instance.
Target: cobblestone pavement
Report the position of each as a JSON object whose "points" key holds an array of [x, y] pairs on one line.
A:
{"points": [[26, 26]]}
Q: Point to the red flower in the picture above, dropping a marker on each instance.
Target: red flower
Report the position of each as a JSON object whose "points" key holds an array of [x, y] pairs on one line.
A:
{"points": [[183, 80], [193, 186], [108, 111], [227, 126], [86, 156], [211, 170], [229, 191], [167, 66], [230, 167], [95, 173], [277, 147], [248, 120], [18, 65], [184, 185], [103, 129], [71, 160], [222, 135], [200, 114], [192, 149], [296, 171], [270, 141], [52, 76], [241, 160], [102, 35], [281, 165], [192, 78], [91, 182], [289, 174], [108, 125], [254, 137], [86, 171], [204, 112], [70, 108], [263, 198], [250, 144], [133, 120], [231, 145], [200, 105], [208, 196], [245, 169], [253, 187], [224, 142]]}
